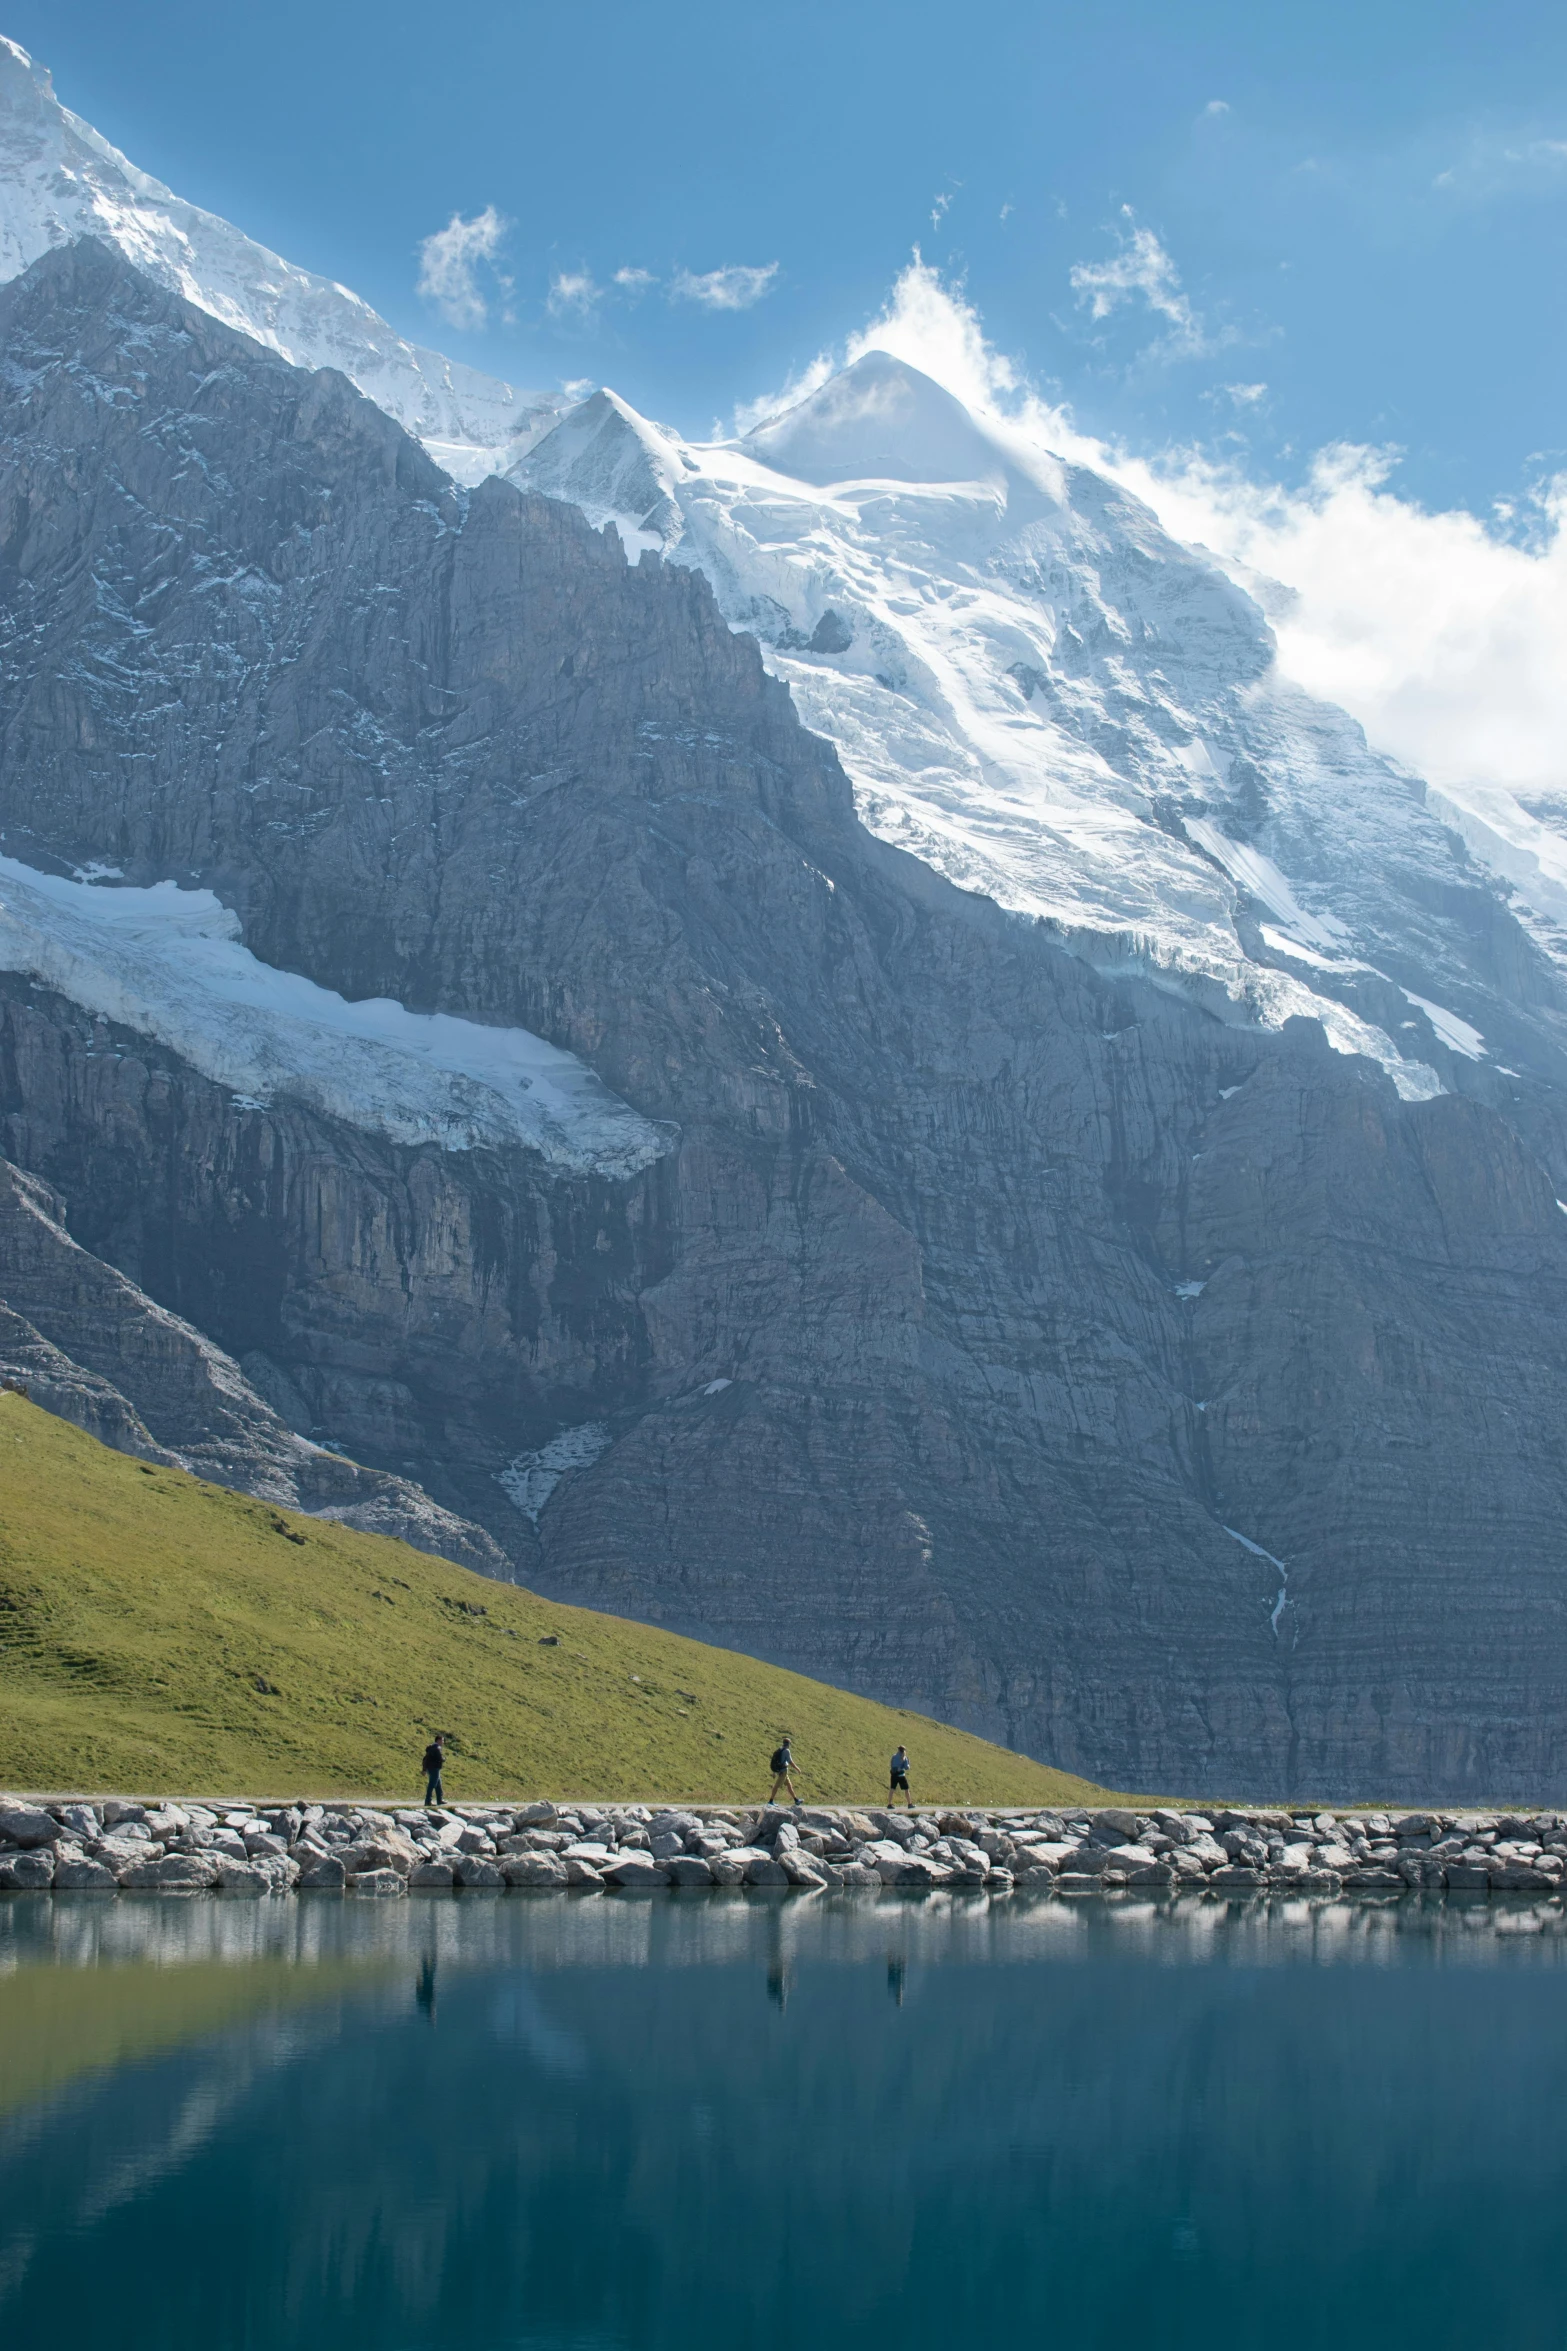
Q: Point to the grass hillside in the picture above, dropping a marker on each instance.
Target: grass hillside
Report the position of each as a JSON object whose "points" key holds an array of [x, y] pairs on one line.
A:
{"points": [[161, 1635]]}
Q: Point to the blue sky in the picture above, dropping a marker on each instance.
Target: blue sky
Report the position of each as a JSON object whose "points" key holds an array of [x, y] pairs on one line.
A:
{"points": [[1261, 228]]}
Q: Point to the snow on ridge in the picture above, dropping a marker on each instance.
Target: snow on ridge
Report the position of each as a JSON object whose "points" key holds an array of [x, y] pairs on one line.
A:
{"points": [[168, 963], [60, 179], [1031, 687]]}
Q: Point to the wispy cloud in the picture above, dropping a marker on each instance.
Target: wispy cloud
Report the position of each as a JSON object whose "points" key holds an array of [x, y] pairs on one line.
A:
{"points": [[1494, 164], [1142, 271], [1440, 632], [573, 294], [449, 264], [734, 288]]}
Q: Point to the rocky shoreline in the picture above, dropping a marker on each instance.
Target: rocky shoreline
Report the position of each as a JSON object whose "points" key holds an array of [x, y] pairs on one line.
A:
{"points": [[230, 1847]]}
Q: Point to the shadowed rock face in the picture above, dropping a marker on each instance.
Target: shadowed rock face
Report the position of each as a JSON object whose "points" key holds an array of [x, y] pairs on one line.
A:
{"points": [[89, 1345], [890, 1362]]}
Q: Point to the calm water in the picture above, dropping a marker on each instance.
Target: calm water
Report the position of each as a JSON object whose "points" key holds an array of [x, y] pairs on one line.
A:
{"points": [[692, 2122]]}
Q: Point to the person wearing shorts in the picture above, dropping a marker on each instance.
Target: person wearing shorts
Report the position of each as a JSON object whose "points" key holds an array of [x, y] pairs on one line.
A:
{"points": [[898, 1776], [783, 1768]]}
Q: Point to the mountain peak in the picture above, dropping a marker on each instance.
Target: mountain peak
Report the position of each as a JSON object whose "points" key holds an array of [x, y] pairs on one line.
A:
{"points": [[614, 464], [878, 420]]}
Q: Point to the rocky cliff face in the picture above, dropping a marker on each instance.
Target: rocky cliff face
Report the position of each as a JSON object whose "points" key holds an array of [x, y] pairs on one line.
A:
{"points": [[1161, 1394], [86, 1343]]}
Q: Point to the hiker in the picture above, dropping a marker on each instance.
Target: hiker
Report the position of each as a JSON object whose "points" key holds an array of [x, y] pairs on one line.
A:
{"points": [[783, 1766], [898, 1775], [434, 1757]]}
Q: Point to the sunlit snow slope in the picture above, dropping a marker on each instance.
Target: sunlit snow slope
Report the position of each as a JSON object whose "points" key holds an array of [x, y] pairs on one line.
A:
{"points": [[1049, 700], [59, 180]]}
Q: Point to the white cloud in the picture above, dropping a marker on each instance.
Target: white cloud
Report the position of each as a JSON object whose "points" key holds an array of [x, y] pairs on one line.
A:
{"points": [[1442, 637], [572, 294], [634, 281], [797, 386], [1217, 106], [734, 288], [1244, 395], [449, 263], [1141, 271]]}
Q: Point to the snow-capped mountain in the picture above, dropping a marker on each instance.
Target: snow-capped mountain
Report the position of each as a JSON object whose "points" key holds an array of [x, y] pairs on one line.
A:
{"points": [[59, 179], [1042, 695], [1121, 1374], [1033, 687]]}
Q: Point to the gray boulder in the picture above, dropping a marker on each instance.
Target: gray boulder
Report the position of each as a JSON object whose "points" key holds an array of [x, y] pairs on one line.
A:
{"points": [[379, 1884], [636, 1873], [176, 1873], [28, 1872], [477, 1873], [545, 1872], [243, 1880], [28, 1825], [78, 1873], [323, 1876]]}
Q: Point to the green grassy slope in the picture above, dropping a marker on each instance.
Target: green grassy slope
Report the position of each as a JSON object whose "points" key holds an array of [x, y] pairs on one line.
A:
{"points": [[161, 1635]]}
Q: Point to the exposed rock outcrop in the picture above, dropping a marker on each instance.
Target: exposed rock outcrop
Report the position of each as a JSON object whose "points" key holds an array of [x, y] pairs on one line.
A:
{"points": [[1163, 1396], [89, 1345]]}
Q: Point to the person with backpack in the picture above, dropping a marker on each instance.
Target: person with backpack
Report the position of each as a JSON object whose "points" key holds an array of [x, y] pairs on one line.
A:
{"points": [[898, 1775], [783, 1767], [434, 1758]]}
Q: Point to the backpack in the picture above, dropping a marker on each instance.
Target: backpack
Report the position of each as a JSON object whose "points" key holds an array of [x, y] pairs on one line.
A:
{"points": [[780, 1760]]}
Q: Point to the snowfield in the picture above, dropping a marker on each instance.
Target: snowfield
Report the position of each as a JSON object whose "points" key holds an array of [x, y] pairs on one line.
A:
{"points": [[168, 963]]}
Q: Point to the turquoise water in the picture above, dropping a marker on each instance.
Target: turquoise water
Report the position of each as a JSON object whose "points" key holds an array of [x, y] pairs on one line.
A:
{"points": [[513, 2122]]}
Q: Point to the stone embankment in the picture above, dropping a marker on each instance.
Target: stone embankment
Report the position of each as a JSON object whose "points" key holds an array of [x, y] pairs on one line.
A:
{"points": [[112, 1845]]}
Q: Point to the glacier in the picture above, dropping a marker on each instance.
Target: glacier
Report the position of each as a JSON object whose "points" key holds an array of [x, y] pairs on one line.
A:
{"points": [[168, 964]]}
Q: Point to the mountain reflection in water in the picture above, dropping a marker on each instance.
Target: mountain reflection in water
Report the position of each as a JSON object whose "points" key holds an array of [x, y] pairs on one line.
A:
{"points": [[661, 2122]]}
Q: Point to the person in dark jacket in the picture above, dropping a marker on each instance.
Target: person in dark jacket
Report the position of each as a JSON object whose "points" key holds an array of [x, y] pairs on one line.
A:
{"points": [[783, 1770], [434, 1758]]}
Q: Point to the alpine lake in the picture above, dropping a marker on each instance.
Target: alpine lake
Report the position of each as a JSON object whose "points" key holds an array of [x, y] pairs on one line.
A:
{"points": [[758, 2122]]}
